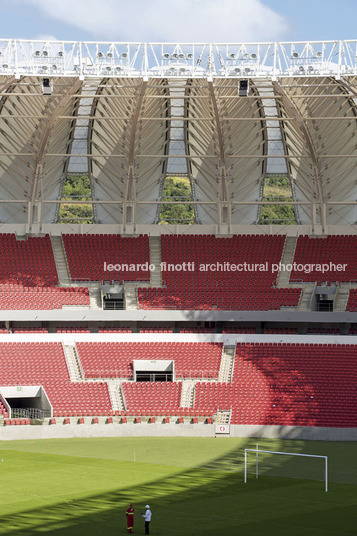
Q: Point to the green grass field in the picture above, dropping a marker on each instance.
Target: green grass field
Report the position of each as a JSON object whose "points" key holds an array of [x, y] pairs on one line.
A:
{"points": [[82, 487]]}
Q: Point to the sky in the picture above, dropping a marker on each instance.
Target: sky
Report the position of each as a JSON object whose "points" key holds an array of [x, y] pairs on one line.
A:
{"points": [[179, 20]]}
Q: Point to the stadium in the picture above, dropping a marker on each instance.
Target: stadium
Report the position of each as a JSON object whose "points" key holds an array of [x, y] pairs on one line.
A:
{"points": [[178, 284]]}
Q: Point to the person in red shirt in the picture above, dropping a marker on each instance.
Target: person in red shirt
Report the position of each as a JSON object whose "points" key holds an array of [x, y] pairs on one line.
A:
{"points": [[130, 518]]}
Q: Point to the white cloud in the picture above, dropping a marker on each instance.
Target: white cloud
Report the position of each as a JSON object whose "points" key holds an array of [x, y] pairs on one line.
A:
{"points": [[45, 37], [168, 20]]}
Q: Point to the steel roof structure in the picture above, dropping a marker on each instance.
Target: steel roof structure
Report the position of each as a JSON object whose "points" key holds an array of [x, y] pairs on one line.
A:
{"points": [[129, 114]]}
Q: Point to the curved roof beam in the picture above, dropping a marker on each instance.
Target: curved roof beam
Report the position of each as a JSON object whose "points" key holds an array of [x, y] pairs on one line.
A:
{"points": [[130, 190], [223, 190], [44, 140], [294, 112]]}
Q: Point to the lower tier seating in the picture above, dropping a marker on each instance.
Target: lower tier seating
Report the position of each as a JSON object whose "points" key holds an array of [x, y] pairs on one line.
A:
{"points": [[150, 398], [115, 359], [45, 364], [288, 384]]}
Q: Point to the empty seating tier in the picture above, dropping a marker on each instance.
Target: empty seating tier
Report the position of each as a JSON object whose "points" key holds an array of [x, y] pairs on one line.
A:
{"points": [[45, 364], [152, 398], [333, 251], [115, 359], [205, 273], [89, 255], [352, 301], [28, 276], [288, 384], [27, 263]]}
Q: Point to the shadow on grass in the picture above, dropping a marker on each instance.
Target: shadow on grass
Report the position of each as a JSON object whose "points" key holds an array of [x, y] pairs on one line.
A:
{"points": [[213, 494]]}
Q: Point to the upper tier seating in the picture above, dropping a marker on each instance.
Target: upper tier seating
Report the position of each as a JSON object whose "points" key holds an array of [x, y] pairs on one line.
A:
{"points": [[45, 364], [146, 398], [288, 384], [332, 249], [115, 359], [28, 276], [352, 301], [222, 288], [86, 255], [27, 263]]}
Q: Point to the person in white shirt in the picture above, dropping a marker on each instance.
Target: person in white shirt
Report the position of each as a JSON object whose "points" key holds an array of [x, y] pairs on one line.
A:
{"points": [[147, 517]]}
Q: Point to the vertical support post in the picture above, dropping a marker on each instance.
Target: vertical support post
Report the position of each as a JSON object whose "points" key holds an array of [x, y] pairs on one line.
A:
{"points": [[256, 461], [326, 474], [245, 466]]}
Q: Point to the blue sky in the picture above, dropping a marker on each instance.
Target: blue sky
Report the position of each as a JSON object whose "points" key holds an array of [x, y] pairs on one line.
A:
{"points": [[179, 20]]}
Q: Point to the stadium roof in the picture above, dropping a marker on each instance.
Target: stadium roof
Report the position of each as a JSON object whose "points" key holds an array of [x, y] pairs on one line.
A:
{"points": [[129, 114]]}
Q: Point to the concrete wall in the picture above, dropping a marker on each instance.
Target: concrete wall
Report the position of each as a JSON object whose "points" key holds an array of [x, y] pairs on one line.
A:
{"points": [[8, 433]]}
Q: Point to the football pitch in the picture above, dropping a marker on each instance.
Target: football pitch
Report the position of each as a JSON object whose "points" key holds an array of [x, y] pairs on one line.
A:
{"points": [[194, 486]]}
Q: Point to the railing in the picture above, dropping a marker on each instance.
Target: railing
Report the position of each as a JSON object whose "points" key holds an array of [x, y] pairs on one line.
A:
{"points": [[177, 60], [29, 413], [191, 374]]}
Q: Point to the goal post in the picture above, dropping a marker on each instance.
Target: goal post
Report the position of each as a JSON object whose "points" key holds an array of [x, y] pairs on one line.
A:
{"points": [[257, 451]]}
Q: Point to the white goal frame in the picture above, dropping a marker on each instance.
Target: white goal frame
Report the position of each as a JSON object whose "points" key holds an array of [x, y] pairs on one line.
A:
{"points": [[257, 450]]}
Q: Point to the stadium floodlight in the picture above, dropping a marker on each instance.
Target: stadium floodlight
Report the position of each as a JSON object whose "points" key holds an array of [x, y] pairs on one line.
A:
{"points": [[124, 55], [247, 70], [175, 56], [99, 55], [237, 70], [189, 56], [166, 56], [301, 68], [54, 67], [60, 54], [295, 55], [232, 56], [109, 55], [257, 451], [181, 56], [108, 68], [37, 53], [319, 54], [253, 56], [5, 65], [45, 53]]}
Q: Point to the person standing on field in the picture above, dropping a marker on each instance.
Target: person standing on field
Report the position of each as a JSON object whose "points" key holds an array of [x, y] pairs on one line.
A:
{"points": [[130, 518], [147, 518]]}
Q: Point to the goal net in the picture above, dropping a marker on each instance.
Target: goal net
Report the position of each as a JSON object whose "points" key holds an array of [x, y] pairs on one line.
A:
{"points": [[288, 464]]}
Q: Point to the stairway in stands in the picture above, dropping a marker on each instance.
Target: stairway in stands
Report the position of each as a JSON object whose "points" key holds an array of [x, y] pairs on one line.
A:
{"points": [[227, 364], [95, 295], [74, 369], [155, 259], [187, 394], [223, 416], [116, 395], [60, 260], [287, 259]]}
